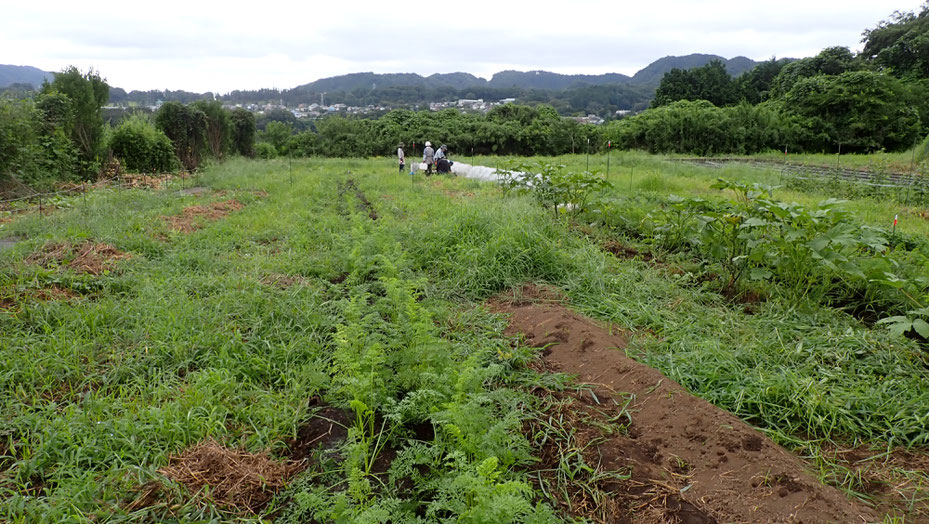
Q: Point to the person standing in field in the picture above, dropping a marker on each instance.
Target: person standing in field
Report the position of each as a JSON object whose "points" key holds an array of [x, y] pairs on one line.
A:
{"points": [[401, 157], [428, 157]]}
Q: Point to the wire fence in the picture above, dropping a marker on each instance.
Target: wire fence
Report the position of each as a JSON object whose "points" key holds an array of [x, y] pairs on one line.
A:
{"points": [[905, 187], [44, 200]]}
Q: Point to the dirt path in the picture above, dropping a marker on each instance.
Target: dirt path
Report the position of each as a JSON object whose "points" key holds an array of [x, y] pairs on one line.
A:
{"points": [[721, 469]]}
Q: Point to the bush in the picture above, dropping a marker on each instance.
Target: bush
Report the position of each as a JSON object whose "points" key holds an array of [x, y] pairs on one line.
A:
{"points": [[265, 150], [141, 147]]}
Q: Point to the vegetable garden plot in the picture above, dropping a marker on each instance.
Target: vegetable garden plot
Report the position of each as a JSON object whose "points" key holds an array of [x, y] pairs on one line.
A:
{"points": [[214, 336]]}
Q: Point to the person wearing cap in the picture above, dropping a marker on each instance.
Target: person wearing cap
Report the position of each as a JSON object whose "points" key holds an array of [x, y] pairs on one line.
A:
{"points": [[428, 157], [442, 165], [401, 157]]}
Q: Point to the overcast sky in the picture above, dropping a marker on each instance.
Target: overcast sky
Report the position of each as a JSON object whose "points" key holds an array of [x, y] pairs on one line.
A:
{"points": [[198, 46]]}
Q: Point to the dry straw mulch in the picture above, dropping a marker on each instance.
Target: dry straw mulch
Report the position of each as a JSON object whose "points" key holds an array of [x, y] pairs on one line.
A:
{"points": [[192, 218], [89, 257], [232, 479]]}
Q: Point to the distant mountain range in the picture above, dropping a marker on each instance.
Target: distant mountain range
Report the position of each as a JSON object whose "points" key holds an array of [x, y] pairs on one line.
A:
{"points": [[11, 74], [650, 75]]}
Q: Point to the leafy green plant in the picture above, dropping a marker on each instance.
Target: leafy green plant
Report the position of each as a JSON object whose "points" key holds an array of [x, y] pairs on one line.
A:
{"points": [[142, 147], [551, 186]]}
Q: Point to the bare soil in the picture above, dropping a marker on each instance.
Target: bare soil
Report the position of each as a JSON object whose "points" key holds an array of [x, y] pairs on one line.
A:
{"points": [[682, 451], [192, 218], [89, 257]]}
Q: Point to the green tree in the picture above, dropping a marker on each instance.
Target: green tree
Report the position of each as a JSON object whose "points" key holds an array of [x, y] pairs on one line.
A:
{"points": [[88, 93], [243, 131], [218, 127], [710, 82], [186, 127], [276, 134], [33, 151], [900, 44], [862, 110], [754, 86], [830, 61]]}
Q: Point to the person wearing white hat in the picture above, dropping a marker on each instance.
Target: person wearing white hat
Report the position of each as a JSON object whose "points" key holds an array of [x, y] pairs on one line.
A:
{"points": [[428, 157]]}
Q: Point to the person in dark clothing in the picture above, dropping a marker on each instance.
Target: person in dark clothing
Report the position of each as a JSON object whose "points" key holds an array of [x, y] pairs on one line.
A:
{"points": [[442, 164]]}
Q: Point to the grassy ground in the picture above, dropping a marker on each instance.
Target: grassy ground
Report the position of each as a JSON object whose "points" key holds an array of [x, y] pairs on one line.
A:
{"points": [[228, 331], [638, 173]]}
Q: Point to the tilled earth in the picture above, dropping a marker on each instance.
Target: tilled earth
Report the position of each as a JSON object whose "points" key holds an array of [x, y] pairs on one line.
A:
{"points": [[690, 461]]}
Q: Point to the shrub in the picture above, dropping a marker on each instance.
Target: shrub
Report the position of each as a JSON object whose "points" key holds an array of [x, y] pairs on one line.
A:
{"points": [[265, 150], [141, 147]]}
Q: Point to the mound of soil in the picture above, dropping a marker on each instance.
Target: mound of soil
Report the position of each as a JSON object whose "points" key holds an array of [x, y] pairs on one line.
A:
{"points": [[238, 481], [681, 449], [192, 218], [87, 257]]}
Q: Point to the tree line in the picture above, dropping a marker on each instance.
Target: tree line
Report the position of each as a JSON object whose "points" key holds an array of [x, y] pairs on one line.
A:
{"points": [[59, 134], [836, 101]]}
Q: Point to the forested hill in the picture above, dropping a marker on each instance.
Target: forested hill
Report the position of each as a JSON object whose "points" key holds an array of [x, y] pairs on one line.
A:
{"points": [[546, 80], [521, 80], [651, 74], [13, 74]]}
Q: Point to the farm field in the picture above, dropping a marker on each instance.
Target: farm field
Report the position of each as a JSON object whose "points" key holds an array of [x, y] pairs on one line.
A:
{"points": [[329, 341]]}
